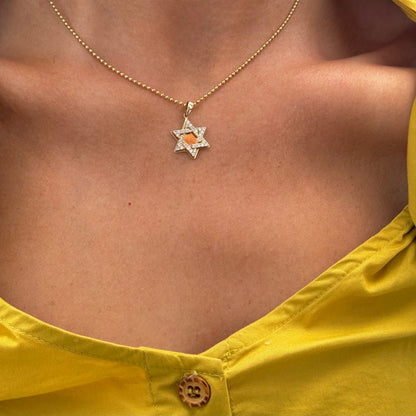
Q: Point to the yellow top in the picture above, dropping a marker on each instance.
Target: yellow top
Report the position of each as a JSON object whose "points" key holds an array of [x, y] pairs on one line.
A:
{"points": [[343, 345]]}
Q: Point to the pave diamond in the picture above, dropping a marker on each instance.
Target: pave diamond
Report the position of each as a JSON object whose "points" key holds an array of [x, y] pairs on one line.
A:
{"points": [[190, 138]]}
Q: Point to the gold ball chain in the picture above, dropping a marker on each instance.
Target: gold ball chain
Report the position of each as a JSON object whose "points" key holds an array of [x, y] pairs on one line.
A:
{"points": [[157, 92]]}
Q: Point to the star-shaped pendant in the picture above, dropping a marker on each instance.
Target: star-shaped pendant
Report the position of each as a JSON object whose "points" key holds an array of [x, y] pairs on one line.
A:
{"points": [[190, 139]]}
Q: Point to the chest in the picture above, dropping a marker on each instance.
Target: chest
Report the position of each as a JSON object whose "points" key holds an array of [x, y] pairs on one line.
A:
{"points": [[101, 219]]}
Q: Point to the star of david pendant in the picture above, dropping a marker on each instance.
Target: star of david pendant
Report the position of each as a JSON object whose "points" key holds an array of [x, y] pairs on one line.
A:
{"points": [[189, 138]]}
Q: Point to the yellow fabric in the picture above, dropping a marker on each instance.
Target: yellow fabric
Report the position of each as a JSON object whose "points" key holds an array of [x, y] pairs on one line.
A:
{"points": [[411, 164], [409, 7], [343, 345]]}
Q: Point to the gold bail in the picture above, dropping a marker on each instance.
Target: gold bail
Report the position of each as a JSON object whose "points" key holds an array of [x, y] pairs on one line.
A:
{"points": [[189, 106]]}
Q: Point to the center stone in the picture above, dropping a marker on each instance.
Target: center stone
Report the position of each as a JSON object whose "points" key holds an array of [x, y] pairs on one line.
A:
{"points": [[190, 138]]}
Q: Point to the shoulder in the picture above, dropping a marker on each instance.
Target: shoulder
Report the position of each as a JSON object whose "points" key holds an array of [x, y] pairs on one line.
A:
{"points": [[360, 99], [21, 89], [373, 26], [374, 81], [377, 20]]}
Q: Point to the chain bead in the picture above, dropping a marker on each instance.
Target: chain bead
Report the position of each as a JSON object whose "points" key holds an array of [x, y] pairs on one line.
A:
{"points": [[157, 92]]}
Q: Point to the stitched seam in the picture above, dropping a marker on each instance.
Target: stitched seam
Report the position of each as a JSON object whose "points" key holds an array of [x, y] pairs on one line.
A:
{"points": [[61, 347], [230, 399], [227, 356], [293, 316], [149, 382], [226, 378], [229, 352], [190, 371]]}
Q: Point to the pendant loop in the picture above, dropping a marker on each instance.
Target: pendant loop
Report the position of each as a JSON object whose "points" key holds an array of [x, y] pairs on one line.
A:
{"points": [[189, 106]]}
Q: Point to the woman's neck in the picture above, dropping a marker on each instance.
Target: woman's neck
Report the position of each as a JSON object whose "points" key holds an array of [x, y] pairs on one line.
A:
{"points": [[171, 42], [176, 23], [200, 39]]}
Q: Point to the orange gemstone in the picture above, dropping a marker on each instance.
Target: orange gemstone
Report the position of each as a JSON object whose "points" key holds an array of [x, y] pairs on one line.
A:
{"points": [[190, 138]]}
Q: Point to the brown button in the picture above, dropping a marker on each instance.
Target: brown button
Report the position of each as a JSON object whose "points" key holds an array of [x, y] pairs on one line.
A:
{"points": [[194, 391]]}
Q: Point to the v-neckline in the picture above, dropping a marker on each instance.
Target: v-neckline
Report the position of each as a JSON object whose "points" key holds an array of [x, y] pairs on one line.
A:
{"points": [[248, 336]]}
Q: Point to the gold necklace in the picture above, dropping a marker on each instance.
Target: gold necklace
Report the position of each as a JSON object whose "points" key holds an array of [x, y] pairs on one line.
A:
{"points": [[189, 138]]}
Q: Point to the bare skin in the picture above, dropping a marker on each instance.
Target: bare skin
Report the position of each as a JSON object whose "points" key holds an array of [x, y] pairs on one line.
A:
{"points": [[107, 233]]}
